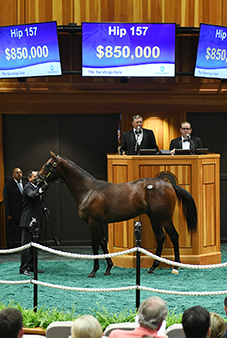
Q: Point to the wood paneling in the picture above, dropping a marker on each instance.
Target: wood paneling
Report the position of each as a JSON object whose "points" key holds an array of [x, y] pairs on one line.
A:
{"points": [[209, 207], [184, 12]]}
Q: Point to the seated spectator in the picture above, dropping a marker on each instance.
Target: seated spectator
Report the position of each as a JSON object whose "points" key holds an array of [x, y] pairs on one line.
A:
{"points": [[11, 323], [151, 314], [86, 326], [225, 308], [217, 325], [196, 322]]}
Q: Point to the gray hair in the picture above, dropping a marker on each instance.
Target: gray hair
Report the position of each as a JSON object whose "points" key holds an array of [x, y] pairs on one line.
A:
{"points": [[152, 312], [137, 117], [86, 326]]}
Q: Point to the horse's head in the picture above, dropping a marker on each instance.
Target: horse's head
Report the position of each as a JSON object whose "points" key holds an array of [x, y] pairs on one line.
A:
{"points": [[48, 171]]}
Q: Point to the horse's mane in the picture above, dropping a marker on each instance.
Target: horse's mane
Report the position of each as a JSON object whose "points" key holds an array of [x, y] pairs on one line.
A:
{"points": [[84, 172]]}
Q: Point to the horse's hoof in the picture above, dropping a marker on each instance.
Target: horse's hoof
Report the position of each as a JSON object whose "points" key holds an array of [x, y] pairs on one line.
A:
{"points": [[150, 271], [91, 274], [175, 271], [107, 273]]}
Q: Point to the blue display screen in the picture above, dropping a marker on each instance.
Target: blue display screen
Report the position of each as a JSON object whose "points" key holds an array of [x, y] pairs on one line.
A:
{"points": [[211, 60], [29, 50], [128, 49]]}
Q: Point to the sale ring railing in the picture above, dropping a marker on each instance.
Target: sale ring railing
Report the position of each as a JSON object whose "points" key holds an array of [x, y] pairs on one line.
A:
{"points": [[136, 287]]}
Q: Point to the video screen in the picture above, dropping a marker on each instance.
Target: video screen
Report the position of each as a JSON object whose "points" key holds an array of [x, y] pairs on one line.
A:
{"points": [[128, 49]]}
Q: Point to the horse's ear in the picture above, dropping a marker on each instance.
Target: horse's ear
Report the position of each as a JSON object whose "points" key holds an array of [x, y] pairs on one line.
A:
{"points": [[53, 155]]}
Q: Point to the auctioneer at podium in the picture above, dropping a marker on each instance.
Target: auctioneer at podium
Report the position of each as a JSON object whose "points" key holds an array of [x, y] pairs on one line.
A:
{"points": [[137, 138]]}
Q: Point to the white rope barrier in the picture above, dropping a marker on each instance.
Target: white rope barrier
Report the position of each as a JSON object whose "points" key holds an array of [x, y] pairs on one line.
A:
{"points": [[103, 256], [120, 253], [21, 248], [82, 256], [188, 266], [182, 293], [15, 282], [70, 288]]}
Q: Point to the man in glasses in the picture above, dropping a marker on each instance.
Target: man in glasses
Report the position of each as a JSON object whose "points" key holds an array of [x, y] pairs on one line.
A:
{"points": [[185, 141]]}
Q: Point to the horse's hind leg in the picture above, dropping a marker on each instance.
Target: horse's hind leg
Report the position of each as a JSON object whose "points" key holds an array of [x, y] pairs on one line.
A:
{"points": [[174, 237], [103, 244], [95, 237], [160, 238]]}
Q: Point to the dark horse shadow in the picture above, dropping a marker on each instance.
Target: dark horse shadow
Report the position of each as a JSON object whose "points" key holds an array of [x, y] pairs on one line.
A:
{"points": [[101, 202]]}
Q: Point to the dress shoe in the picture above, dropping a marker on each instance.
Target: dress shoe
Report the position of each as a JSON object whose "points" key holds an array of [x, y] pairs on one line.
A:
{"points": [[38, 270], [26, 272]]}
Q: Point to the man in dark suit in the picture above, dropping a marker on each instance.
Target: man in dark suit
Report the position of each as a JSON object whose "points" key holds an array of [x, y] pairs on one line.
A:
{"points": [[185, 141], [137, 138], [12, 197], [31, 216]]}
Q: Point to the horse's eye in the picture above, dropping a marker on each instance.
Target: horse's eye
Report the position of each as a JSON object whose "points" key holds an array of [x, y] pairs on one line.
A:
{"points": [[46, 166]]}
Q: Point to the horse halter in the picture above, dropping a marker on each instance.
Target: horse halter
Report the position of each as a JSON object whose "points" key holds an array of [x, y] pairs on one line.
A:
{"points": [[51, 170]]}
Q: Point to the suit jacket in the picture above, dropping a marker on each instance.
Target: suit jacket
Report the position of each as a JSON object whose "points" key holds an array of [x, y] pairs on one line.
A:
{"points": [[12, 198], [177, 143], [129, 142], [32, 205]]}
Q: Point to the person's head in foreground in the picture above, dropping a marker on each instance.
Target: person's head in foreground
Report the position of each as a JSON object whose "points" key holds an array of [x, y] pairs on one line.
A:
{"points": [[152, 312], [11, 323], [218, 326], [196, 322], [86, 326]]}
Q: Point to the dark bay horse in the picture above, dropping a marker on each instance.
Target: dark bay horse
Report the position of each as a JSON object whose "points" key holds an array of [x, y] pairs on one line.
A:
{"points": [[102, 202]]}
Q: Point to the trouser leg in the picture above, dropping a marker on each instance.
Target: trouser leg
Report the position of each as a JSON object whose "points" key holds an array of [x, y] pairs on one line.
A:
{"points": [[27, 254], [12, 227]]}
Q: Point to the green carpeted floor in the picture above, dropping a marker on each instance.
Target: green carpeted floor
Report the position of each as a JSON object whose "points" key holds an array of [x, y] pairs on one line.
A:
{"points": [[74, 273]]}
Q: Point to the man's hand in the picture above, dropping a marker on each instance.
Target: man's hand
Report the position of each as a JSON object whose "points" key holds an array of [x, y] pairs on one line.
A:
{"points": [[173, 151], [43, 188]]}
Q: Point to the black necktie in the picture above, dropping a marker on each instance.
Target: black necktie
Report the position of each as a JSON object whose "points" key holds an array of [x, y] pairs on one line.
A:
{"points": [[138, 132], [186, 140]]}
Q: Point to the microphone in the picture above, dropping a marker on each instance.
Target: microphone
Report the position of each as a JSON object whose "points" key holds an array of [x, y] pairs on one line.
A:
{"points": [[137, 145], [191, 143]]}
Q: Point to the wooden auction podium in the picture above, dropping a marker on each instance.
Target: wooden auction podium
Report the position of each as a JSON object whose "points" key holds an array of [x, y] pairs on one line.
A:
{"points": [[199, 174]]}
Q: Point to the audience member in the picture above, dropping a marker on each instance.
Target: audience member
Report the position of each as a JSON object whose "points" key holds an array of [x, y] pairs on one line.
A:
{"points": [[11, 323], [185, 141], [137, 138], [12, 198], [31, 217], [86, 326], [225, 308], [196, 322], [217, 325], [151, 314]]}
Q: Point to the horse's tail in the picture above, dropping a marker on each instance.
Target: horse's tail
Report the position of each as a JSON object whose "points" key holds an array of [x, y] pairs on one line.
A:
{"points": [[188, 207]]}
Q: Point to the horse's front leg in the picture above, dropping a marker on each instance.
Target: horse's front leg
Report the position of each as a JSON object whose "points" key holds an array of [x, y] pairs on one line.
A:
{"points": [[95, 236], [103, 244]]}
